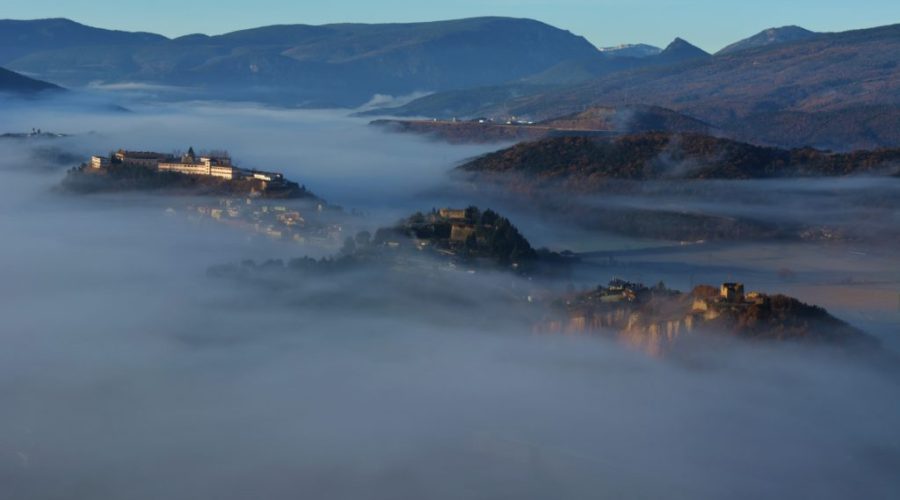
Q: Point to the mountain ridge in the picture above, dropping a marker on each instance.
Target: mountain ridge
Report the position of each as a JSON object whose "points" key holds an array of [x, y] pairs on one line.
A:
{"points": [[682, 50], [768, 37], [341, 65], [830, 74]]}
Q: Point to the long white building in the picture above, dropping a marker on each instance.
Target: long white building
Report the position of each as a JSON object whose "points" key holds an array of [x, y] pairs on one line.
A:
{"points": [[214, 167], [189, 164]]}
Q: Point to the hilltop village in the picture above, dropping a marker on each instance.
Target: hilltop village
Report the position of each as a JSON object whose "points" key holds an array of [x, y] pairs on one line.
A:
{"points": [[448, 239], [35, 133], [316, 223], [467, 238], [655, 319], [208, 174]]}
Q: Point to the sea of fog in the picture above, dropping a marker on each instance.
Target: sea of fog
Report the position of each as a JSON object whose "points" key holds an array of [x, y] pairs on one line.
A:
{"points": [[127, 372]]}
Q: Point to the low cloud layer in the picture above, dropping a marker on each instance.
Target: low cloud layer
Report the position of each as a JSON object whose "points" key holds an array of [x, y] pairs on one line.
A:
{"points": [[127, 372]]}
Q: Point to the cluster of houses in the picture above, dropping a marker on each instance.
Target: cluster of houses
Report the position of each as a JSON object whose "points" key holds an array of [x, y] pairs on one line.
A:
{"points": [[731, 296], [649, 318], [620, 290], [35, 133], [212, 165], [276, 221], [513, 120]]}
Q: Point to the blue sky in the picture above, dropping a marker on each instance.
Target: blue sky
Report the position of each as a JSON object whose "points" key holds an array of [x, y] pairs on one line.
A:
{"points": [[710, 24]]}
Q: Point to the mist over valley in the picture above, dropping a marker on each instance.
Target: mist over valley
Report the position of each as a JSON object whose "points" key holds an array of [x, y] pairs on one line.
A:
{"points": [[247, 291]]}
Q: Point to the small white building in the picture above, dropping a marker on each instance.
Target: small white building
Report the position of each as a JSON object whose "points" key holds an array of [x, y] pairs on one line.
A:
{"points": [[267, 176], [99, 161]]}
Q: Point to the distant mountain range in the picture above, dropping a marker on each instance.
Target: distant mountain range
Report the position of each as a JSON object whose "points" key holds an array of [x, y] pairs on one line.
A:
{"points": [[784, 86], [14, 83], [331, 65], [825, 72], [611, 61], [810, 80]]}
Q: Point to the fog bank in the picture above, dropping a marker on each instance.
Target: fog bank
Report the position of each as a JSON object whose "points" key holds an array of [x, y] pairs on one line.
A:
{"points": [[127, 372]]}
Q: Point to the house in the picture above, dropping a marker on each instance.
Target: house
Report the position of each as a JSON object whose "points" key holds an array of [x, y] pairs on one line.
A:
{"points": [[452, 214], [266, 176], [757, 298], [291, 218], [732, 292], [620, 285]]}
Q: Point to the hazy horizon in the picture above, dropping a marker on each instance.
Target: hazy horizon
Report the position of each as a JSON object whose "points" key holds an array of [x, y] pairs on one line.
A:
{"points": [[708, 24]]}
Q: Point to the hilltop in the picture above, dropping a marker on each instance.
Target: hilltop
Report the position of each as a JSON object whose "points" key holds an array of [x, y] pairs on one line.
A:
{"points": [[632, 50], [575, 71], [584, 179], [21, 38], [21, 85], [771, 36], [447, 239], [657, 319], [584, 164], [212, 175], [681, 50], [468, 234], [628, 119], [468, 238]]}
